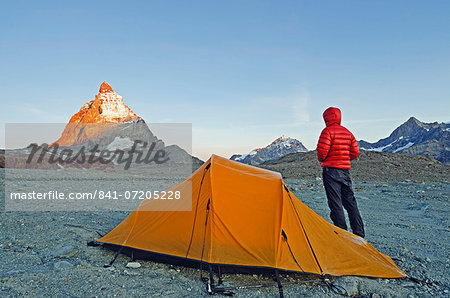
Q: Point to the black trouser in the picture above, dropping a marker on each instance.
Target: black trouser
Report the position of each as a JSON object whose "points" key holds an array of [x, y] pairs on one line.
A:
{"points": [[338, 186]]}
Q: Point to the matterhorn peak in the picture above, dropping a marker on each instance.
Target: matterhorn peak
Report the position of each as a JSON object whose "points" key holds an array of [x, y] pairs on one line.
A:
{"points": [[107, 107], [105, 87]]}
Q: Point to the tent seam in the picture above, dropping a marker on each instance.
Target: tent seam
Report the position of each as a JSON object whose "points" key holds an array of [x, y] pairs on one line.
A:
{"points": [[304, 231], [281, 226], [211, 212]]}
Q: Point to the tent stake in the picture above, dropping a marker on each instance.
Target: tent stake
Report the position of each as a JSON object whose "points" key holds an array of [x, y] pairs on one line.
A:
{"points": [[280, 287], [210, 285], [115, 257], [220, 281]]}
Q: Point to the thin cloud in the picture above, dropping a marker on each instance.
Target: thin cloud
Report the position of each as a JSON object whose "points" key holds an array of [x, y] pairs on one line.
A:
{"points": [[300, 108], [34, 110], [40, 114], [362, 121]]}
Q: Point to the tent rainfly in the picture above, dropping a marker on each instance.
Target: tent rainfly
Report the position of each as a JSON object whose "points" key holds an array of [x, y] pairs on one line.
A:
{"points": [[246, 217]]}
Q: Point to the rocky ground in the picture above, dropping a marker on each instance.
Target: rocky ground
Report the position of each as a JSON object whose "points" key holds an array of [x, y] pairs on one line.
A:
{"points": [[406, 217], [370, 166]]}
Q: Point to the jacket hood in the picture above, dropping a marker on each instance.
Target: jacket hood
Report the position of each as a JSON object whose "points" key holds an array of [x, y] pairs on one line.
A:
{"points": [[332, 116]]}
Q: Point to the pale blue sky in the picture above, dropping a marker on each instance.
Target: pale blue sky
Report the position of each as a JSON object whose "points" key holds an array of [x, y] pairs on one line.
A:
{"points": [[242, 72]]}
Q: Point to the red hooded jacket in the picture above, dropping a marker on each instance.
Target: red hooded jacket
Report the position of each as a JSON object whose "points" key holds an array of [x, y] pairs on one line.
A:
{"points": [[337, 145]]}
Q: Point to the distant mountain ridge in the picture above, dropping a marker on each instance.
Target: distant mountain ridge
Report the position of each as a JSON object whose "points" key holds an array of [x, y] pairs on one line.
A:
{"points": [[280, 147], [415, 138]]}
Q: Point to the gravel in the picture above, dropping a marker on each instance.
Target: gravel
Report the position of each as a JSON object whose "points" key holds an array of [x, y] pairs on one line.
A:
{"points": [[45, 253]]}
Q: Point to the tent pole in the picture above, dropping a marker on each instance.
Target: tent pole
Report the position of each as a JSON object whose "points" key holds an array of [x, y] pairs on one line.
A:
{"points": [[196, 207]]}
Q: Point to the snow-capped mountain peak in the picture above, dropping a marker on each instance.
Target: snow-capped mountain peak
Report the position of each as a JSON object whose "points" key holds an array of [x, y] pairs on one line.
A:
{"points": [[283, 138], [415, 138], [275, 150], [107, 107]]}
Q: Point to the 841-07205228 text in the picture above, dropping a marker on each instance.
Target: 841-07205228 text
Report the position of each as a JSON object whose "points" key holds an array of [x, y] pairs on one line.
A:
{"points": [[98, 194]]}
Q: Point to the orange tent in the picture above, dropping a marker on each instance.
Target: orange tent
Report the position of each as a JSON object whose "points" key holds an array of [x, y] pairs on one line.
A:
{"points": [[245, 216]]}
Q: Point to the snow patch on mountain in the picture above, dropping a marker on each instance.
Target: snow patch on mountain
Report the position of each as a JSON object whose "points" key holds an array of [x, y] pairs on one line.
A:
{"points": [[113, 107], [378, 149], [403, 147], [243, 156], [120, 143]]}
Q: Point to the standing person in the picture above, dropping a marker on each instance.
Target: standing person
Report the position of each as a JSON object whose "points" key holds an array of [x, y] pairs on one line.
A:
{"points": [[336, 147]]}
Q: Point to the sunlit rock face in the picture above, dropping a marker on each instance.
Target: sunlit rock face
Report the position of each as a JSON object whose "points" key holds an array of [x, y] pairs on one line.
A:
{"points": [[98, 117]]}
